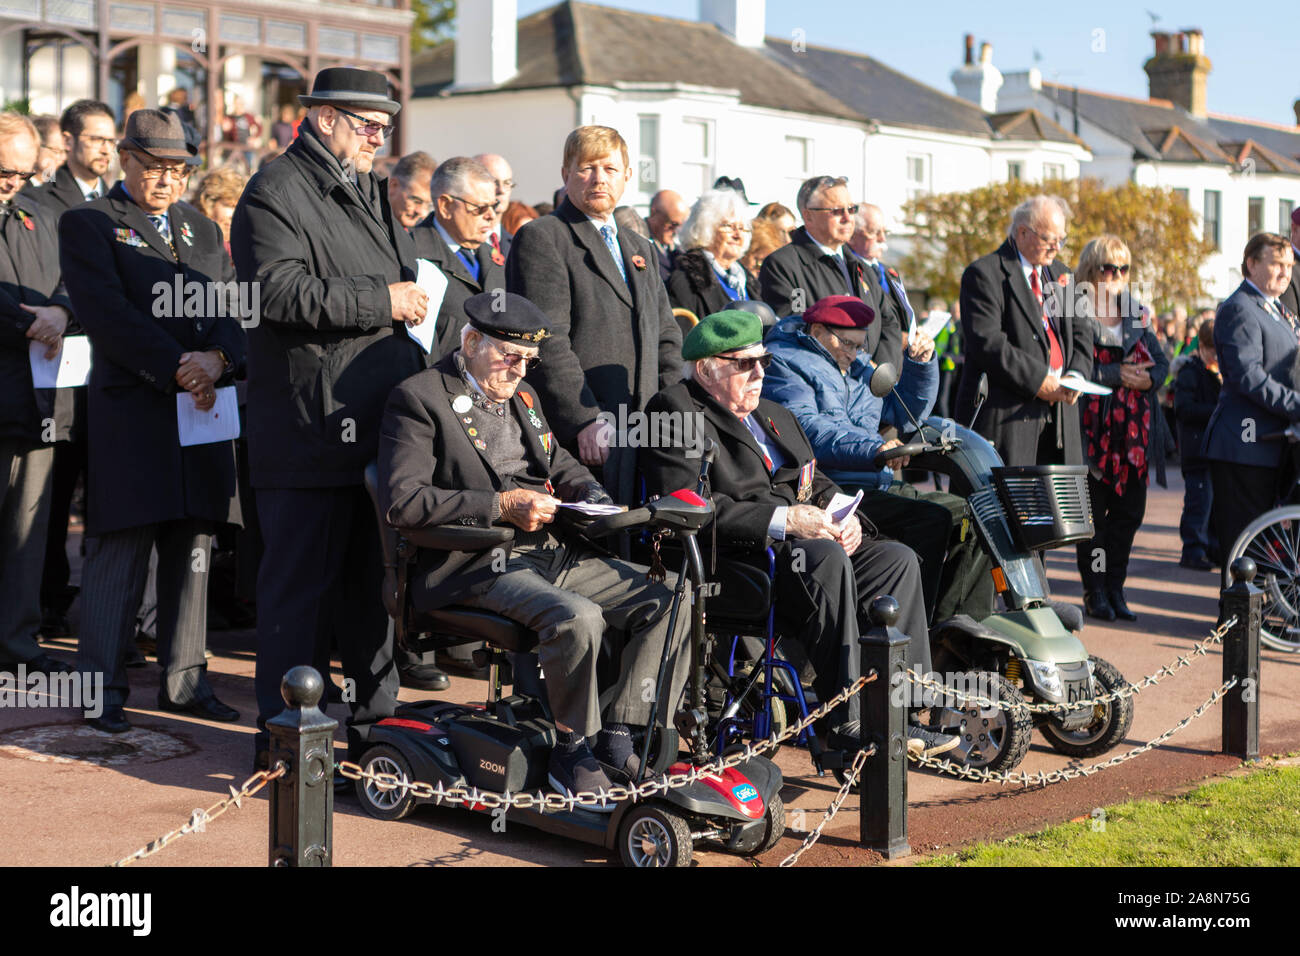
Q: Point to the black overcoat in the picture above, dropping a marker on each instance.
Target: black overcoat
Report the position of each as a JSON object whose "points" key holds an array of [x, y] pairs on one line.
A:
{"points": [[612, 344], [694, 285], [431, 473], [121, 277], [29, 275], [801, 265], [430, 245], [326, 352], [1002, 331]]}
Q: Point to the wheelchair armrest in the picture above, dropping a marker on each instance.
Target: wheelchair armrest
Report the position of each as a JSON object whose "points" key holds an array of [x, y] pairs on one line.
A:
{"points": [[458, 537]]}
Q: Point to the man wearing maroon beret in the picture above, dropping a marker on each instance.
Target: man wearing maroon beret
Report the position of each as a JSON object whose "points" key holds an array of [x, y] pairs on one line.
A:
{"points": [[821, 372]]}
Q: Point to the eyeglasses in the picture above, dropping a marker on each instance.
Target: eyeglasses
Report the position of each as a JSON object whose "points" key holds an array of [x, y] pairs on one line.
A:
{"points": [[511, 359], [96, 140], [857, 346], [17, 173], [472, 208], [1047, 240], [734, 227], [367, 127], [151, 173], [1110, 270], [55, 149], [746, 364], [837, 211]]}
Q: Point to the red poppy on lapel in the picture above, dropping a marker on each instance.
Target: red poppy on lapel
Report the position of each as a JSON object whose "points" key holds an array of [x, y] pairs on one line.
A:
{"points": [[892, 271], [1063, 280], [26, 220], [497, 258], [772, 425], [639, 262]]}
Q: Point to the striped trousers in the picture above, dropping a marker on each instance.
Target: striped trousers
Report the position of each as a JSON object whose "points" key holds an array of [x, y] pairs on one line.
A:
{"points": [[112, 583]]}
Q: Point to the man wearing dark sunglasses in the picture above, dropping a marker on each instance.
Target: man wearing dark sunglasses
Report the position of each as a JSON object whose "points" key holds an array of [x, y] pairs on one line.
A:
{"points": [[767, 490], [818, 262], [336, 271]]}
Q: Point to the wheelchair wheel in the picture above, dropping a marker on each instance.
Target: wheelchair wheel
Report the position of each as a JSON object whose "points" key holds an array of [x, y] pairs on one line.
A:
{"points": [[1272, 541], [653, 835], [381, 802]]}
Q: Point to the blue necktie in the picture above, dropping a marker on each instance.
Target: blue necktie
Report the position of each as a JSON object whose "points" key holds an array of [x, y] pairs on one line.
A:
{"points": [[884, 284], [607, 232], [844, 269], [470, 263]]}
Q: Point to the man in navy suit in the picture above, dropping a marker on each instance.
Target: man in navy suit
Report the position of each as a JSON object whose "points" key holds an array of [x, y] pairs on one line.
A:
{"points": [[1257, 338]]}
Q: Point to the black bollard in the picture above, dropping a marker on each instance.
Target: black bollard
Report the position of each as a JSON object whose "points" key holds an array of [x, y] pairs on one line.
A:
{"points": [[302, 801], [1241, 660], [883, 824]]}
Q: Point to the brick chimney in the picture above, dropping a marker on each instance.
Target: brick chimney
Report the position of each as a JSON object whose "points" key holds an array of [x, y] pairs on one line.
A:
{"points": [[1179, 69]]}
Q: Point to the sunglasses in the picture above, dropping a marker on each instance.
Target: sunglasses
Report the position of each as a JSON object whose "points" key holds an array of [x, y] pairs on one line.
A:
{"points": [[367, 127], [471, 208], [17, 173], [511, 359], [836, 211], [746, 364], [1110, 270]]}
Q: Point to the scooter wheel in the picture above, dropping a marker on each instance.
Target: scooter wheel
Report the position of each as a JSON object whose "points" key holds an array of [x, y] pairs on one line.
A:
{"points": [[380, 802], [993, 739], [775, 818], [1110, 721], [652, 835]]}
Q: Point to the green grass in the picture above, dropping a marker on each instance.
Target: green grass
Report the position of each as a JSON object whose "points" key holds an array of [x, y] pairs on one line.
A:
{"points": [[1252, 820]]}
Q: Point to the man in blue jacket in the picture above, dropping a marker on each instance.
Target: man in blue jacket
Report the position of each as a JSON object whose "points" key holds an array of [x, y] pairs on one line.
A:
{"points": [[820, 373]]}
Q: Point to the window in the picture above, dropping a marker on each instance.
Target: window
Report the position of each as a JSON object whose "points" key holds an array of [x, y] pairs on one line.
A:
{"points": [[1211, 219], [1284, 209], [647, 170], [1254, 215], [1183, 195], [697, 154], [798, 157], [1015, 171], [918, 175], [1053, 171]]}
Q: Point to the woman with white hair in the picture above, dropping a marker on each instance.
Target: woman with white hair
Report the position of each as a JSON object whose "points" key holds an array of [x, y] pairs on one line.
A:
{"points": [[707, 275]]}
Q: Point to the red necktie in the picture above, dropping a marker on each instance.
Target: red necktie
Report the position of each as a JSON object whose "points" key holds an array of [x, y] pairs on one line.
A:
{"points": [[766, 460], [1056, 359]]}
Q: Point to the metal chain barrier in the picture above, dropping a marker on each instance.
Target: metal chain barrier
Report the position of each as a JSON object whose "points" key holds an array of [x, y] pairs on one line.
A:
{"points": [[1200, 650], [850, 781], [615, 794], [1069, 773], [199, 819]]}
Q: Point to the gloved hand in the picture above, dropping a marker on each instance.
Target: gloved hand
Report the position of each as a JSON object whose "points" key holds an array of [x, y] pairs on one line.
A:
{"points": [[594, 493]]}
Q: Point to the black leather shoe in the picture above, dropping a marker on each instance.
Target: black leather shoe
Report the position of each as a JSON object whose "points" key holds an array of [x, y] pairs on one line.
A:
{"points": [[1116, 596], [1196, 562], [1096, 605], [45, 664], [111, 721], [424, 677], [209, 708]]}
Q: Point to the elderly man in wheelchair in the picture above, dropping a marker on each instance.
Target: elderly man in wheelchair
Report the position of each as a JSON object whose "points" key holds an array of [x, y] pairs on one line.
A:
{"points": [[767, 491], [464, 443]]}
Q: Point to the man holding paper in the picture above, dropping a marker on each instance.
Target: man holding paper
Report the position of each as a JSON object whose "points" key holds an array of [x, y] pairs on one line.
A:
{"points": [[466, 442], [768, 491], [454, 240], [148, 484], [34, 315], [1017, 329], [336, 271]]}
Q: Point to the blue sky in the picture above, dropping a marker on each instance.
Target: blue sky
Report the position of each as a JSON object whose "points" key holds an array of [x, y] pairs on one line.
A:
{"points": [[1098, 46]]}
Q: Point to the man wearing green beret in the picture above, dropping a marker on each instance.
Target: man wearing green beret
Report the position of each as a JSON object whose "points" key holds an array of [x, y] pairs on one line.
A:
{"points": [[767, 491]]}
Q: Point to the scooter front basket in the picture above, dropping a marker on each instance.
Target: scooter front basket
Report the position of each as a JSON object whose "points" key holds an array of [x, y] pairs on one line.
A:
{"points": [[1047, 505]]}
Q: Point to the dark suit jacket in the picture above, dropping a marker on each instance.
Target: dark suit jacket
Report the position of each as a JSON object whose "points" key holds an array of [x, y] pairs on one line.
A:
{"points": [[1002, 331], [431, 473], [1256, 355], [1291, 294], [62, 192], [326, 352], [694, 285], [29, 275], [612, 344], [430, 245], [744, 494], [120, 275], [800, 264]]}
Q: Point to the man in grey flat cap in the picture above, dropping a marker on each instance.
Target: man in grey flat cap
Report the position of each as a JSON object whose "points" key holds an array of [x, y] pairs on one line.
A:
{"points": [[335, 270]]}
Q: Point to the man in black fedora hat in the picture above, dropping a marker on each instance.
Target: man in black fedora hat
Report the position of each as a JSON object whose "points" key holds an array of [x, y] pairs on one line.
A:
{"points": [[144, 489], [335, 269]]}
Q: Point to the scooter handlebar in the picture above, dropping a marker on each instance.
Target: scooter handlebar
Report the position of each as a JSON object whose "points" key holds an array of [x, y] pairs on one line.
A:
{"points": [[619, 522]]}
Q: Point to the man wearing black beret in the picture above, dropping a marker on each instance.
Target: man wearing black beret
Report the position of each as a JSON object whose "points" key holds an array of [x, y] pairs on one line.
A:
{"points": [[466, 442]]}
